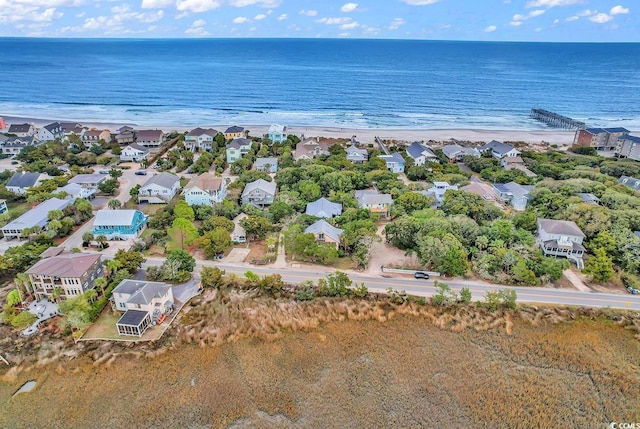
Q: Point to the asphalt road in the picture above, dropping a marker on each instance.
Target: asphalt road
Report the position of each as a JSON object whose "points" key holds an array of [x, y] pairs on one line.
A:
{"points": [[426, 287]]}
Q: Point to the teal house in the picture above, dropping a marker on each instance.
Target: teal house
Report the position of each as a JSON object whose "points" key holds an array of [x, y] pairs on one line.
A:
{"points": [[277, 133], [238, 148], [119, 224]]}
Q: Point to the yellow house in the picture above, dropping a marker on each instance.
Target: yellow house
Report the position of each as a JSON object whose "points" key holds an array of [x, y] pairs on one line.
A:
{"points": [[233, 132], [325, 232]]}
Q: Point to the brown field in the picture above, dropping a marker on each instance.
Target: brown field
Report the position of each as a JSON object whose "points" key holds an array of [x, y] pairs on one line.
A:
{"points": [[258, 363]]}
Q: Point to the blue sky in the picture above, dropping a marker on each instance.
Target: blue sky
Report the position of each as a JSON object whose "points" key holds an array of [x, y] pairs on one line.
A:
{"points": [[515, 20]]}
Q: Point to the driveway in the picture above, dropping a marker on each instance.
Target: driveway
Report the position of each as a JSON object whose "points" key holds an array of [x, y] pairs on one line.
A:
{"points": [[186, 291]]}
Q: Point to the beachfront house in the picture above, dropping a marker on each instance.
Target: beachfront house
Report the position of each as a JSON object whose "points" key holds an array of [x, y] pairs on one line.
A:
{"points": [[150, 138], [159, 188], [21, 181], [628, 147], [325, 232], [561, 238], [233, 132], [36, 217], [323, 208], [238, 235], [421, 153], [119, 224], [22, 130], [143, 303], [69, 128], [260, 193], [514, 194], [517, 163], [71, 274], [94, 137], [200, 139], [50, 132], [455, 152], [125, 136], [374, 201], [134, 153], [310, 148], [205, 189], [3, 207], [14, 145], [599, 138], [270, 165], [238, 148], [277, 133], [499, 150], [356, 155], [394, 162]]}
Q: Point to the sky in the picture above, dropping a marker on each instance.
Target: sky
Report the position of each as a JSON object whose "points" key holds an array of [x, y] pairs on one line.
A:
{"points": [[490, 20]]}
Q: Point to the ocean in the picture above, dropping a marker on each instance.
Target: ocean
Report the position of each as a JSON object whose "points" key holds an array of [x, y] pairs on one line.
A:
{"points": [[319, 82]]}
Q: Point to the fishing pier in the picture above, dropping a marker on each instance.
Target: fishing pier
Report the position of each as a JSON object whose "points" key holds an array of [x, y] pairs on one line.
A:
{"points": [[556, 120]]}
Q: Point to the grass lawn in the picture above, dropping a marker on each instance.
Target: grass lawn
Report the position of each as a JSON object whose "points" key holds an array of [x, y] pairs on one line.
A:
{"points": [[18, 208], [105, 328]]}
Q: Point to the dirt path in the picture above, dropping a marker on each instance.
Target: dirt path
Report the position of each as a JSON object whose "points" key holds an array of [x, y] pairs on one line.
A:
{"points": [[576, 281], [383, 253]]}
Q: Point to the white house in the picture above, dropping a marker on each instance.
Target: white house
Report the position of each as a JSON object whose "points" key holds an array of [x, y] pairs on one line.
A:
{"points": [[159, 188], [499, 150], [205, 189], [75, 191], [134, 152], [200, 138], [277, 133], [260, 193], [356, 155], [21, 181], [22, 130], [421, 153], [515, 194], [37, 216], [88, 181], [561, 238], [438, 190], [270, 165], [150, 138], [143, 303], [456, 153], [238, 235], [50, 132]]}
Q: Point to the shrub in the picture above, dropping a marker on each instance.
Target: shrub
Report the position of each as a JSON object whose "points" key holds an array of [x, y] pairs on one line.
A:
{"points": [[305, 293], [23, 319]]}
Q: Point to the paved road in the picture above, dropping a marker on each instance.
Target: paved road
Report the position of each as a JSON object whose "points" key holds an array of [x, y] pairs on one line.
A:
{"points": [[426, 287]]}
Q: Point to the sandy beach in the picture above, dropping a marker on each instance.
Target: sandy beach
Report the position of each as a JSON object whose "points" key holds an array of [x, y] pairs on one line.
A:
{"points": [[552, 136]]}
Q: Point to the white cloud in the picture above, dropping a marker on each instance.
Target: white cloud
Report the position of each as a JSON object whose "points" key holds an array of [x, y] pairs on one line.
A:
{"points": [[350, 26], [515, 23], [537, 30], [600, 18], [196, 29], [12, 11], [349, 7], [536, 12], [260, 17], [572, 18], [397, 23], [80, 15], [283, 17], [309, 12], [490, 29], [199, 23], [556, 21], [420, 2], [334, 21], [619, 10], [262, 3], [197, 6], [156, 4], [551, 3], [240, 20]]}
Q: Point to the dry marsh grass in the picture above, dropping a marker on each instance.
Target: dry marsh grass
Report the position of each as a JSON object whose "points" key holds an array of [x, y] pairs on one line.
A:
{"points": [[240, 360]]}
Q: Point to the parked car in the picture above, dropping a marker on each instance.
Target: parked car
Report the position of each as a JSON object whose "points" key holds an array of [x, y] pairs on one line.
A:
{"points": [[632, 290], [421, 275], [140, 173], [103, 171]]}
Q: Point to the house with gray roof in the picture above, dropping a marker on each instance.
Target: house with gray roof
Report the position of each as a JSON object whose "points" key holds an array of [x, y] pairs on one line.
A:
{"points": [[260, 193], [50, 132], [37, 216], [21, 181], [233, 132], [499, 150], [588, 198], [356, 155], [630, 182], [200, 139], [455, 152], [134, 153], [628, 146], [75, 191], [74, 273], [22, 130], [438, 190], [420, 153], [88, 181], [323, 208], [394, 162], [270, 165], [374, 201], [514, 194], [14, 145], [143, 303], [325, 232], [238, 148], [277, 133], [119, 224], [159, 188], [150, 138], [238, 235], [561, 238]]}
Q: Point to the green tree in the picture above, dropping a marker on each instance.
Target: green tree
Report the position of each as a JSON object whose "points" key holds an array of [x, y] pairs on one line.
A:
{"points": [[215, 242], [508, 298], [271, 284], [23, 319], [211, 277], [114, 204], [337, 284], [256, 227], [87, 238], [183, 231], [444, 296], [216, 222], [186, 261], [412, 201], [13, 298], [492, 300], [109, 186], [101, 283], [599, 266], [183, 210], [134, 192], [130, 260], [115, 173], [464, 296]]}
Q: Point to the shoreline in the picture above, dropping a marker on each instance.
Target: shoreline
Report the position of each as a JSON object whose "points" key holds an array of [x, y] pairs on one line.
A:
{"points": [[559, 137]]}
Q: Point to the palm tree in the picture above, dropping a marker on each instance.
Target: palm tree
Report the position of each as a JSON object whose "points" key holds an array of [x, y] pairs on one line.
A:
{"points": [[23, 285], [113, 266], [102, 241], [57, 293], [91, 295], [101, 282], [114, 204], [87, 238]]}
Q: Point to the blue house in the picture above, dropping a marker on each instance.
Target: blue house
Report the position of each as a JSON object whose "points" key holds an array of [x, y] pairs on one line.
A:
{"points": [[277, 133], [119, 224], [394, 161]]}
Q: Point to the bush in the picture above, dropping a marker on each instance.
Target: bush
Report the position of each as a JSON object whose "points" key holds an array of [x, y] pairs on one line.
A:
{"points": [[305, 293], [23, 319]]}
